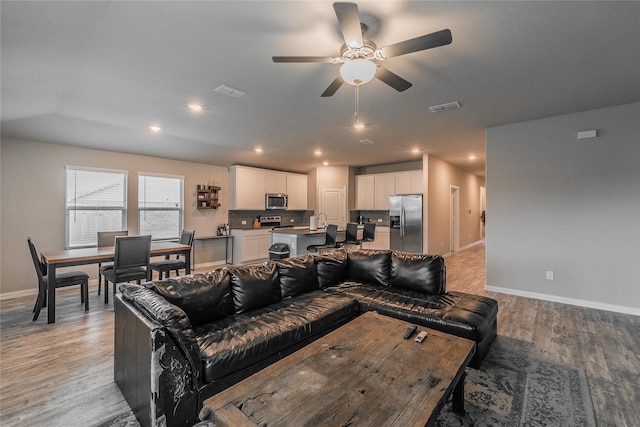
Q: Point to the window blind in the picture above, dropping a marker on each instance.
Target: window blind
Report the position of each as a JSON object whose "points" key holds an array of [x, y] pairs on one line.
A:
{"points": [[160, 206], [96, 200]]}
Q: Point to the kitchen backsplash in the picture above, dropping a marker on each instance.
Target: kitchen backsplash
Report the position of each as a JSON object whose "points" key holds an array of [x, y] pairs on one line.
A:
{"points": [[371, 216], [300, 218]]}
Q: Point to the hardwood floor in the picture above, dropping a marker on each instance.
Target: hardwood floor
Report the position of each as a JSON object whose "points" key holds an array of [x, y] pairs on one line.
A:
{"points": [[62, 374]]}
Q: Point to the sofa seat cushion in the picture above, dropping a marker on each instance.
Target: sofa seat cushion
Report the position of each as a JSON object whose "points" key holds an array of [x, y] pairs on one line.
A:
{"points": [[464, 315], [241, 340]]}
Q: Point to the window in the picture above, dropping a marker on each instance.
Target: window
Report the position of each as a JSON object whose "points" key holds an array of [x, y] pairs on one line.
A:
{"points": [[96, 200], [160, 206]]}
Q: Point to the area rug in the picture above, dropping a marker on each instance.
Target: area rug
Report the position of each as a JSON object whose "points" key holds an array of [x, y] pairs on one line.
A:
{"points": [[510, 389]]}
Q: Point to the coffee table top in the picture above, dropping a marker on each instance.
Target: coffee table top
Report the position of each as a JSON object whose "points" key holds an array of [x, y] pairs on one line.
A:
{"points": [[363, 373]]}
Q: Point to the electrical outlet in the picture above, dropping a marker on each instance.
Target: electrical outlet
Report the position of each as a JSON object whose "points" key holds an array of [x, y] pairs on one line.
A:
{"points": [[244, 222], [379, 219], [292, 220], [549, 275]]}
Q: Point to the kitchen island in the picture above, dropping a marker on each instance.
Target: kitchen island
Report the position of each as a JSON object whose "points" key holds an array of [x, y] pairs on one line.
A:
{"points": [[298, 238]]}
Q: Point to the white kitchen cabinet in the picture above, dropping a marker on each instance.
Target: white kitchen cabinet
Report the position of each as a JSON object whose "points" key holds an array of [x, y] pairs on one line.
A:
{"points": [[247, 188], [409, 182], [380, 241], [275, 182], [297, 191], [365, 195], [251, 246], [384, 186]]}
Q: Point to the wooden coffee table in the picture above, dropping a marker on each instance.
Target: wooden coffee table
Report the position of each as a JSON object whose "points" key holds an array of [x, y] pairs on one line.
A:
{"points": [[362, 374]]}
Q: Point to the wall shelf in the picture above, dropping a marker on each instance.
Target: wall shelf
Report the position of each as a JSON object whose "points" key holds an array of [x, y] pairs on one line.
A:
{"points": [[207, 197]]}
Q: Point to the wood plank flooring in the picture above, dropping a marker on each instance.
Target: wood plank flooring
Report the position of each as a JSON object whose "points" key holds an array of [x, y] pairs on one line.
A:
{"points": [[62, 374]]}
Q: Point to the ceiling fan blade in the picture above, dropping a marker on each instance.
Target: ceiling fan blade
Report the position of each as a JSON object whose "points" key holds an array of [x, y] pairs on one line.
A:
{"points": [[333, 87], [428, 41], [392, 79], [349, 20], [323, 59]]}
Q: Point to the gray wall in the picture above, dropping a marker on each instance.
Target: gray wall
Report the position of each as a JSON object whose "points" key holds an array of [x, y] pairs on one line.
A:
{"points": [[566, 205], [32, 202]]}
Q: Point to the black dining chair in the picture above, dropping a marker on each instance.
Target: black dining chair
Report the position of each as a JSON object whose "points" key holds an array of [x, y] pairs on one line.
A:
{"points": [[330, 242], [369, 232], [351, 235], [173, 264], [63, 279], [105, 239], [130, 262]]}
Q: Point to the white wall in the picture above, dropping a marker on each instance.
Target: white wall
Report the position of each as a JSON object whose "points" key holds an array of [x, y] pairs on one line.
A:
{"points": [[32, 202], [566, 205], [440, 176]]}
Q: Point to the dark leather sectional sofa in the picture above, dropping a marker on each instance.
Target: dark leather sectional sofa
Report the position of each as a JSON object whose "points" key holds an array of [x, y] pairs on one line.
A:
{"points": [[181, 340]]}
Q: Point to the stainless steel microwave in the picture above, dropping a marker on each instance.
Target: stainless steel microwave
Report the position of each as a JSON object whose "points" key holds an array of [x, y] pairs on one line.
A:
{"points": [[276, 201]]}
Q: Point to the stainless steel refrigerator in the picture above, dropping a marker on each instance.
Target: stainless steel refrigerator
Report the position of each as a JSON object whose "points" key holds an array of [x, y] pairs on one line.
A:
{"points": [[405, 222]]}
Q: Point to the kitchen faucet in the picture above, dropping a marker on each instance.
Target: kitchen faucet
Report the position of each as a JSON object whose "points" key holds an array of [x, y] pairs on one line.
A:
{"points": [[324, 224]]}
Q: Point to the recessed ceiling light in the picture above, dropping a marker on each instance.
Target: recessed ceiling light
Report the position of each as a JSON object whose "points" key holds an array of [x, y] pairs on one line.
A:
{"points": [[258, 150], [155, 128], [317, 153], [195, 107], [359, 125], [472, 156], [367, 141], [416, 150], [326, 163]]}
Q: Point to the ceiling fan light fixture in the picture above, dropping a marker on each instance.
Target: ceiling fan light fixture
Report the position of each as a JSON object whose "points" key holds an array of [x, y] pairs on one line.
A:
{"points": [[357, 72]]}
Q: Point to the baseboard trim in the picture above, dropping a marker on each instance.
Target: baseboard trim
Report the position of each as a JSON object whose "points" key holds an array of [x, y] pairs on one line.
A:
{"points": [[17, 294], [209, 264], [564, 300]]}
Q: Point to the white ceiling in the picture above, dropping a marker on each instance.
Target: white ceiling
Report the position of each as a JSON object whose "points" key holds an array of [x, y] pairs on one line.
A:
{"points": [[97, 74]]}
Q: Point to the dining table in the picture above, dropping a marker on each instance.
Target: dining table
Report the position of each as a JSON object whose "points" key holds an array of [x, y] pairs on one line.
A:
{"points": [[95, 255]]}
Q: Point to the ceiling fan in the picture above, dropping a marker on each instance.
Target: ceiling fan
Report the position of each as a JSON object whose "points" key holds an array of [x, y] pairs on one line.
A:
{"points": [[360, 58]]}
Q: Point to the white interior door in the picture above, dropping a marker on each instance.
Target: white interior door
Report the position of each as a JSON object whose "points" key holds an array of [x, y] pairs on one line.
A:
{"points": [[333, 203]]}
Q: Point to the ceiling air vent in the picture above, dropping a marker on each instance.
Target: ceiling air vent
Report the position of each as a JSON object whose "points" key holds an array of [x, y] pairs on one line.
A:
{"points": [[445, 107], [367, 141], [229, 91]]}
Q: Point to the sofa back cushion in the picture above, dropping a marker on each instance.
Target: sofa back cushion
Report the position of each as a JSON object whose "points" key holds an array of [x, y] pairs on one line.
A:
{"points": [[369, 266], [205, 298], [331, 268], [418, 272], [297, 275], [254, 286]]}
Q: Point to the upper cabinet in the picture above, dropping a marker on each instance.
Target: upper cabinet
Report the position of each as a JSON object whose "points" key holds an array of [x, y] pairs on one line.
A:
{"points": [[365, 192], [409, 182], [384, 186], [275, 182], [248, 186], [297, 191], [373, 190]]}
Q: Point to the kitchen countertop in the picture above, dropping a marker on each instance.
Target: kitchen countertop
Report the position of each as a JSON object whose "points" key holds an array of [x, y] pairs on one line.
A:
{"points": [[306, 231]]}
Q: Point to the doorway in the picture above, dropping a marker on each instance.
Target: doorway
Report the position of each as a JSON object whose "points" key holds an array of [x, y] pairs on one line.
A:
{"points": [[333, 203], [454, 227]]}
